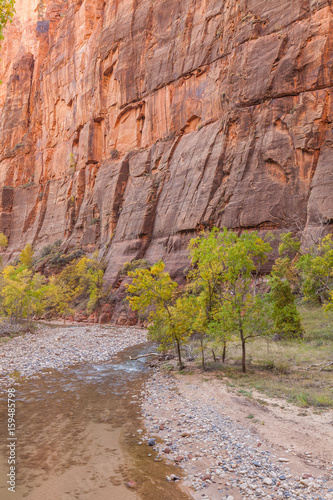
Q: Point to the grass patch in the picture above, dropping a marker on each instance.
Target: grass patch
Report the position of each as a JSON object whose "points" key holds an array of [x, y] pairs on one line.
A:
{"points": [[261, 402], [167, 367], [247, 394], [303, 389], [281, 369]]}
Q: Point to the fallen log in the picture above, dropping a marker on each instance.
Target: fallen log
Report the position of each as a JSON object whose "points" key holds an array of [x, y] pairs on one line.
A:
{"points": [[144, 356], [323, 365]]}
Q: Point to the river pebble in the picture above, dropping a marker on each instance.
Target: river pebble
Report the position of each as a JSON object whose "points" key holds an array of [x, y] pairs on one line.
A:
{"points": [[220, 458]]}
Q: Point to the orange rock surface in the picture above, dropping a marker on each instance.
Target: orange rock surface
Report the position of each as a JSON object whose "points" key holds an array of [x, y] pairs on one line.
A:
{"points": [[129, 125]]}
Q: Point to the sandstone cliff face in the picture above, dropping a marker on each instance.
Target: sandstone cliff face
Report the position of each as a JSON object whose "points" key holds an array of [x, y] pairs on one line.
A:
{"points": [[129, 125]]}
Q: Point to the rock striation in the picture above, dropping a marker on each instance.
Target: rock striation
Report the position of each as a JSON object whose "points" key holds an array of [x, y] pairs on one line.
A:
{"points": [[128, 125]]}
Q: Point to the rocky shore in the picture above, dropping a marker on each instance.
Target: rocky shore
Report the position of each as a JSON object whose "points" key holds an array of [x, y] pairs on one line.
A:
{"points": [[224, 458], [55, 348]]}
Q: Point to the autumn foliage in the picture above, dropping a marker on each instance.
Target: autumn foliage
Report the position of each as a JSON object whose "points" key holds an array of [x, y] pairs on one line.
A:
{"points": [[25, 293], [226, 298]]}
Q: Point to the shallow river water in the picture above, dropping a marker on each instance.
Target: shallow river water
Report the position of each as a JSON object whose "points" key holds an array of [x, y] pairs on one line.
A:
{"points": [[77, 436]]}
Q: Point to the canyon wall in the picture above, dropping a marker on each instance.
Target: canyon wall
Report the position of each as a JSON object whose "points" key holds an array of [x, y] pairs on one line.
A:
{"points": [[130, 125]]}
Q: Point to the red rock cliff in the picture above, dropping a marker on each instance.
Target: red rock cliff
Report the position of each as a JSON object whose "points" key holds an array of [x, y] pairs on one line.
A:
{"points": [[128, 125]]}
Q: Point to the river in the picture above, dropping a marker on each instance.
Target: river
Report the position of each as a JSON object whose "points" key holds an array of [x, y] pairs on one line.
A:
{"points": [[77, 436]]}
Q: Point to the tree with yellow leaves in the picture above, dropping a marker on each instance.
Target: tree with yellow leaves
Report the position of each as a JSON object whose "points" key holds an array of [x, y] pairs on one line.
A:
{"points": [[3, 241], [154, 291], [22, 293], [27, 256]]}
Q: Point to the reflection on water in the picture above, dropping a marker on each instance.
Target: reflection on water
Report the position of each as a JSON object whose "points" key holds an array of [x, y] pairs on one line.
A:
{"points": [[76, 436]]}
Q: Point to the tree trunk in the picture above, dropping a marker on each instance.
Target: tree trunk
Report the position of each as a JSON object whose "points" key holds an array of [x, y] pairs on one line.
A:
{"points": [[214, 356], [243, 346], [224, 352], [179, 355], [202, 353], [243, 357]]}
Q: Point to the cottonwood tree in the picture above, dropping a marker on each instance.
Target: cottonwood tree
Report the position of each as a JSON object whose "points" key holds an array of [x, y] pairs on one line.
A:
{"points": [[287, 321], [154, 291], [3, 241], [59, 297], [226, 266], [311, 265], [191, 318], [81, 280], [90, 274], [284, 282], [316, 271], [3, 244], [204, 279], [22, 293], [25, 293], [27, 256]]}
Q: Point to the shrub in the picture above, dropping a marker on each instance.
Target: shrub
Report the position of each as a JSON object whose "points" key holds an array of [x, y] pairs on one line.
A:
{"points": [[49, 249], [62, 259], [135, 264]]}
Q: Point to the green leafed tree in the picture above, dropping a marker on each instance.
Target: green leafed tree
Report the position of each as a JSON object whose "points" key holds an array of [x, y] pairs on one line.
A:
{"points": [[7, 11], [287, 321], [204, 280], [225, 267], [3, 245], [316, 271], [59, 297], [309, 269], [154, 291], [199, 318], [284, 282]]}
